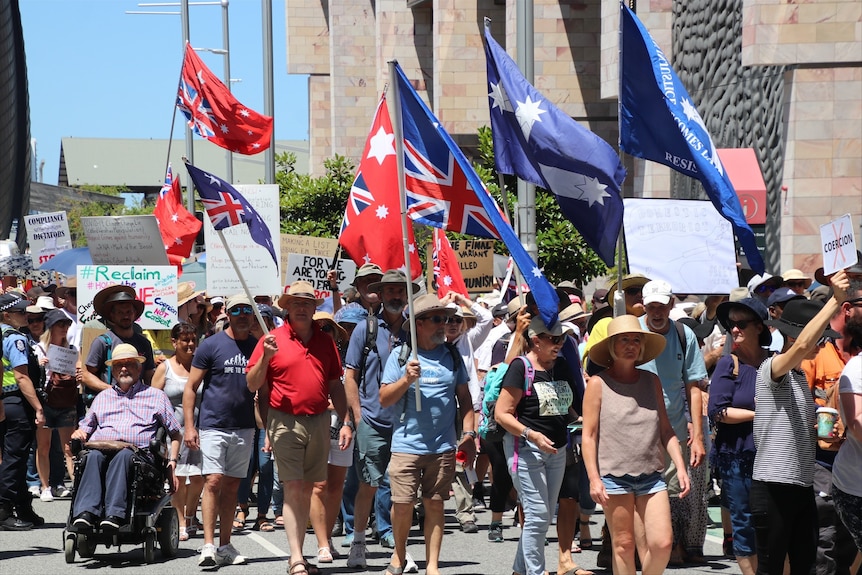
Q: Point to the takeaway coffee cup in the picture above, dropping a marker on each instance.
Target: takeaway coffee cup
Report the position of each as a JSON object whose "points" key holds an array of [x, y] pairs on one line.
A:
{"points": [[826, 418]]}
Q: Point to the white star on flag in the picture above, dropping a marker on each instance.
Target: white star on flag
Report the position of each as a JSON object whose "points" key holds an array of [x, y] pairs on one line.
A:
{"points": [[528, 114], [501, 99], [447, 280], [175, 218], [224, 129], [537, 272], [381, 145], [411, 248], [244, 113], [178, 241], [575, 186], [381, 212]]}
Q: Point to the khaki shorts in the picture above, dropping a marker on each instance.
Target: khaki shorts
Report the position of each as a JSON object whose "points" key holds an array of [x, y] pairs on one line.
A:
{"points": [[670, 476], [300, 445], [433, 473]]}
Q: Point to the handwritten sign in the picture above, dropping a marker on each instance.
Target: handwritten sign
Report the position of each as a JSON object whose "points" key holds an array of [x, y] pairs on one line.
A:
{"points": [[476, 260], [125, 240], [48, 235], [313, 269], [156, 286], [838, 244], [62, 359], [256, 265], [683, 242]]}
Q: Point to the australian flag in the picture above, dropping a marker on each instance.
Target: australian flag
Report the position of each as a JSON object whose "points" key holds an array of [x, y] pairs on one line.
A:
{"points": [[658, 122], [226, 207], [539, 143], [424, 133]]}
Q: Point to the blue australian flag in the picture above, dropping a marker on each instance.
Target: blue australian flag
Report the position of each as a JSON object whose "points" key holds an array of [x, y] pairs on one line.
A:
{"points": [[425, 133], [539, 143], [658, 122], [226, 207]]}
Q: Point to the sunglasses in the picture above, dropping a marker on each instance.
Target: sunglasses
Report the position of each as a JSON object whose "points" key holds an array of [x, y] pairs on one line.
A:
{"points": [[822, 341], [35, 319], [740, 324], [634, 290], [553, 339], [241, 309], [855, 302], [795, 283], [326, 328], [764, 288], [434, 318], [454, 319], [72, 292]]}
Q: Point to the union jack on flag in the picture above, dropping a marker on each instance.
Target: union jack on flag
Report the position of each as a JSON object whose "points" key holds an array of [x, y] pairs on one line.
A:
{"points": [[169, 181], [224, 210]]}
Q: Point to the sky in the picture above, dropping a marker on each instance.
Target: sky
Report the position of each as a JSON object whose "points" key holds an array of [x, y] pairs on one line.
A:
{"points": [[96, 72]]}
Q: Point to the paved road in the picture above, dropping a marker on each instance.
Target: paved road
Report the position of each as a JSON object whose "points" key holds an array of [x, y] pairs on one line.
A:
{"points": [[40, 552]]}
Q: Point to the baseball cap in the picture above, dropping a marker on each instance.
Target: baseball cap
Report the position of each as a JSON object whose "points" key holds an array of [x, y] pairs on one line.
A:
{"points": [[657, 291]]}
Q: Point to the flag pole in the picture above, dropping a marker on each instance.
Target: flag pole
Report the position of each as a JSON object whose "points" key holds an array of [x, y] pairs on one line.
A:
{"points": [[242, 282], [397, 128], [619, 302], [519, 278]]}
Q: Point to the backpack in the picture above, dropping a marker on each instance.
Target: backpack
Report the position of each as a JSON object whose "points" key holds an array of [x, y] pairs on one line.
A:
{"points": [[371, 328], [489, 429], [89, 396]]}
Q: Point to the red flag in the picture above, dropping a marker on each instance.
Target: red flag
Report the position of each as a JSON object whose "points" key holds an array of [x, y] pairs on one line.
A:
{"points": [[447, 272], [371, 231], [215, 115], [178, 227]]}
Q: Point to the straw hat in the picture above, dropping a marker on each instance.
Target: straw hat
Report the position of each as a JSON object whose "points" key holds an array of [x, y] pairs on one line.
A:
{"points": [[124, 351], [653, 342], [71, 283], [426, 304], [796, 275], [367, 270], [396, 277], [322, 318], [629, 280], [299, 290], [573, 312], [46, 302], [186, 292]]}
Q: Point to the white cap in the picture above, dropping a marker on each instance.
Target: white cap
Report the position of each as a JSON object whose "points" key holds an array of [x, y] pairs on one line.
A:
{"points": [[657, 291]]}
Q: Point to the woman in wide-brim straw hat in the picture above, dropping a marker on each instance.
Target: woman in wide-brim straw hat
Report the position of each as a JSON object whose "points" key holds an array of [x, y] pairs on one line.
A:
{"points": [[625, 437]]}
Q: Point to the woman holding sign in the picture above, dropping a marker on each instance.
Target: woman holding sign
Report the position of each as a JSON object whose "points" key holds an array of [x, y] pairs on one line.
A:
{"points": [[59, 399]]}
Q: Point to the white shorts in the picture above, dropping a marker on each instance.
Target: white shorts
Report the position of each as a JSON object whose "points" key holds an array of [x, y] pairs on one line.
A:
{"points": [[226, 452]]}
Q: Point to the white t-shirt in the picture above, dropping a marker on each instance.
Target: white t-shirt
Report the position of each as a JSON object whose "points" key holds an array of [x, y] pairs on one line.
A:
{"points": [[847, 469]]}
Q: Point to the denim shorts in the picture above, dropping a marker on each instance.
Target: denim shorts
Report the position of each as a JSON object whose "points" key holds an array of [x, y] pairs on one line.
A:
{"points": [[643, 484]]}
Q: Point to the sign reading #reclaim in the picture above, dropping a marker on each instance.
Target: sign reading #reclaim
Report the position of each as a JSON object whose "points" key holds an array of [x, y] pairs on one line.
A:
{"points": [[156, 286]]}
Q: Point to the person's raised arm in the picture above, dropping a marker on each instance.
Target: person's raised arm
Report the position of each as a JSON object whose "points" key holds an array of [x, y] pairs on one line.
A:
{"points": [[518, 346], [256, 377]]}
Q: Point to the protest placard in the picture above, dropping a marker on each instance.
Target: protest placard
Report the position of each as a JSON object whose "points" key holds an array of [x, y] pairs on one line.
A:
{"points": [[62, 359], [156, 286], [259, 271], [48, 235], [838, 244], [313, 269], [476, 261], [683, 242], [125, 240], [305, 245]]}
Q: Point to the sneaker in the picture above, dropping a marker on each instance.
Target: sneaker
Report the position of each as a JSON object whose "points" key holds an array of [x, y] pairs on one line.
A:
{"points": [[469, 527], [207, 558], [86, 521], [495, 532], [228, 555], [478, 504], [35, 490], [62, 491], [112, 523], [46, 495], [388, 541], [357, 556], [410, 565], [348, 540]]}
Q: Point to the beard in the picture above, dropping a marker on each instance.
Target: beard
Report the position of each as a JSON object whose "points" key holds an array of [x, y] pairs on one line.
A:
{"points": [[853, 330], [393, 306], [438, 338]]}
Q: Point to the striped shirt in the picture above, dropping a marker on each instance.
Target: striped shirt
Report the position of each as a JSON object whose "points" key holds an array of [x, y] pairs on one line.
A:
{"points": [[784, 432], [132, 417]]}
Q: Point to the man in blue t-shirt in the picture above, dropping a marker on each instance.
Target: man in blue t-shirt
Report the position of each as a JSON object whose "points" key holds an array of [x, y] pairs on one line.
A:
{"points": [[423, 436], [225, 428]]}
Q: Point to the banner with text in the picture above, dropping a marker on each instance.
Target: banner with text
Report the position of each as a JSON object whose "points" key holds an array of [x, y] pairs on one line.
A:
{"points": [[48, 235], [839, 244], [476, 260], [156, 286], [260, 273], [313, 269], [307, 245], [125, 240], [683, 242]]}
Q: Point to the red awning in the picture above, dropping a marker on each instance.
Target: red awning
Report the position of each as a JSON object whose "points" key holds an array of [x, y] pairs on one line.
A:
{"points": [[747, 179]]}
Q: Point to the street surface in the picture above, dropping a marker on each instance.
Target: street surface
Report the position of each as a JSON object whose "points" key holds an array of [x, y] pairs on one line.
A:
{"points": [[40, 551]]}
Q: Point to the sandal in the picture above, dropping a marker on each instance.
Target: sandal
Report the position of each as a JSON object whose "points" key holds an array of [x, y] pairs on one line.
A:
{"points": [[184, 535], [390, 570], [279, 521], [305, 568], [262, 524], [324, 555], [576, 571], [576, 548], [586, 544]]}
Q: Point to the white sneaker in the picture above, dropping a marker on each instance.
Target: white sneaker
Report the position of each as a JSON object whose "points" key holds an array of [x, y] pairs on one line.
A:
{"points": [[35, 490], [62, 491], [228, 555], [208, 556], [410, 565], [46, 495], [357, 556]]}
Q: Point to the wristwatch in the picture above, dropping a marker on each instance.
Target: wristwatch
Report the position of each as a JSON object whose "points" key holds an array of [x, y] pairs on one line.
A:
{"points": [[349, 424], [525, 432], [471, 433]]}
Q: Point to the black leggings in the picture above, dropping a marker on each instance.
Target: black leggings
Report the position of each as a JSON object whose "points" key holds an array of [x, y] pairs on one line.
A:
{"points": [[502, 484], [785, 524]]}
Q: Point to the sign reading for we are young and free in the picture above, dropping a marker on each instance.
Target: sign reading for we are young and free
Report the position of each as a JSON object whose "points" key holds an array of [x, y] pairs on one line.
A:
{"points": [[156, 286]]}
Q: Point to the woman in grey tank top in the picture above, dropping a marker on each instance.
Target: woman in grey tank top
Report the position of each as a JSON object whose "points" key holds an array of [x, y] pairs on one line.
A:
{"points": [[625, 428]]}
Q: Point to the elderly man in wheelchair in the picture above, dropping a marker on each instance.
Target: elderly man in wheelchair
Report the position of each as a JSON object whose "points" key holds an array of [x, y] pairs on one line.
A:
{"points": [[118, 430]]}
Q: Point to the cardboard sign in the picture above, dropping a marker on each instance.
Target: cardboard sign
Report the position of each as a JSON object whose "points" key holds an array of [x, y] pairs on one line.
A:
{"points": [[683, 242], [48, 235], [125, 240], [838, 244], [259, 271], [62, 359], [313, 269], [156, 286], [476, 260]]}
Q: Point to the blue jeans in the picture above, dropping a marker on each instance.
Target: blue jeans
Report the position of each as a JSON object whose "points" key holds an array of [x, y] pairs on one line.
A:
{"points": [[735, 489], [261, 463], [537, 479]]}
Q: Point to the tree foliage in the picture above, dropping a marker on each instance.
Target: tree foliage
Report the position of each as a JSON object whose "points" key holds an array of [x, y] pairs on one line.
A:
{"points": [[313, 206]]}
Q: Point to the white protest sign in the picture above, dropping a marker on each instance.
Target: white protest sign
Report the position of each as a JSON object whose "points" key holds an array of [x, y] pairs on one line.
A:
{"points": [[313, 269], [259, 271], [125, 240], [48, 235], [838, 244], [683, 242], [62, 359], [156, 286]]}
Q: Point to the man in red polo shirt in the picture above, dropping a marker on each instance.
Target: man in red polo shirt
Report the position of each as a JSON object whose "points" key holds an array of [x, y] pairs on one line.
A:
{"points": [[297, 370]]}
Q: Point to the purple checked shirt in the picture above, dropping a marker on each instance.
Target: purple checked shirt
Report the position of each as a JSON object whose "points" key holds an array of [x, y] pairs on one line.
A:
{"points": [[132, 417]]}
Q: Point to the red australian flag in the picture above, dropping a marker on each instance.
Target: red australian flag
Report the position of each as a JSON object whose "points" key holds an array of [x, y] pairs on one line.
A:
{"points": [[215, 115], [371, 232], [178, 227], [447, 272]]}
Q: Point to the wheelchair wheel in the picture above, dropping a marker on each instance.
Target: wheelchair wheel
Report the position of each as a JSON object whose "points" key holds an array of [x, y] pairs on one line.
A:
{"points": [[86, 546], [168, 526], [69, 548], [149, 547]]}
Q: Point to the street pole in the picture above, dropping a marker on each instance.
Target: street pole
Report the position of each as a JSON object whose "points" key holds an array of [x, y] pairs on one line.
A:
{"points": [[225, 31], [268, 90], [526, 190], [190, 146]]}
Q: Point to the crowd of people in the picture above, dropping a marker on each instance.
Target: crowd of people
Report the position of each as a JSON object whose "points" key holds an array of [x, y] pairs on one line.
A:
{"points": [[345, 423]]}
